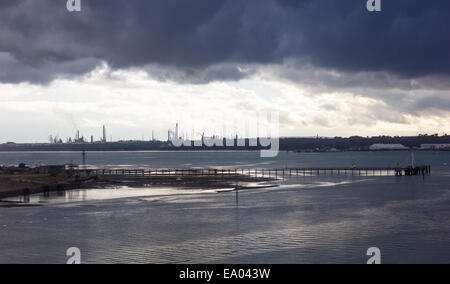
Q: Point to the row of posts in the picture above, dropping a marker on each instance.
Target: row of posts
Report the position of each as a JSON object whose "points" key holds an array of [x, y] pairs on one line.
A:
{"points": [[267, 172]]}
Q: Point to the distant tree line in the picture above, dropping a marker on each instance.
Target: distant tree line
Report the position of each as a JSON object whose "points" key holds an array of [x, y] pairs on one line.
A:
{"points": [[355, 143]]}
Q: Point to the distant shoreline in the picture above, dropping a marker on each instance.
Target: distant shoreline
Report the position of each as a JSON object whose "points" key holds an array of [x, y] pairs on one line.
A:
{"points": [[218, 151], [336, 144]]}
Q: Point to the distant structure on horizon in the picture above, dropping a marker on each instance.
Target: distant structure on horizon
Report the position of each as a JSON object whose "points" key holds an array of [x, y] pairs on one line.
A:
{"points": [[79, 139], [378, 147], [104, 134], [435, 146]]}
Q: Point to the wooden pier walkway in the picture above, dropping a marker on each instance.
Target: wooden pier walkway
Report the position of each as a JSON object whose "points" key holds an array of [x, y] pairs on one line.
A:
{"points": [[266, 172]]}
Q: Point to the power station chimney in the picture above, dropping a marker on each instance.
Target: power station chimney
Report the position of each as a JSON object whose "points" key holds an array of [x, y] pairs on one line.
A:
{"points": [[104, 134]]}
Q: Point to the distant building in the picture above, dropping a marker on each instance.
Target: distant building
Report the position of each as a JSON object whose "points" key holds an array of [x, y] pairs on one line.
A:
{"points": [[435, 146], [379, 147]]}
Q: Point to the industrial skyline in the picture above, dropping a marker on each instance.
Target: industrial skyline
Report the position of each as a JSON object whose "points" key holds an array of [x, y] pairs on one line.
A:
{"points": [[171, 134]]}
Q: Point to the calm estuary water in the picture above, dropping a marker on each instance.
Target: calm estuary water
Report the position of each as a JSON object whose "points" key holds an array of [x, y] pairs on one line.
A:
{"points": [[304, 220]]}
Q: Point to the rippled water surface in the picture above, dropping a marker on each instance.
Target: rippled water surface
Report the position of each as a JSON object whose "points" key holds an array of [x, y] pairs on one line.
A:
{"points": [[304, 220]]}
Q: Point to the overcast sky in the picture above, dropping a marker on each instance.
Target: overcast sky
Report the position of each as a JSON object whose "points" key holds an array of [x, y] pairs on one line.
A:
{"points": [[327, 67]]}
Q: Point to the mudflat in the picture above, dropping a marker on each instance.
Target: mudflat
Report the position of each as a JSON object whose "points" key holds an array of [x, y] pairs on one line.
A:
{"points": [[11, 184]]}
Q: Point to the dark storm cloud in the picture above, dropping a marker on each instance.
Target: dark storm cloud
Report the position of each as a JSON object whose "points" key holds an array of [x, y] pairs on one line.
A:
{"points": [[208, 40], [326, 79], [15, 71], [432, 104]]}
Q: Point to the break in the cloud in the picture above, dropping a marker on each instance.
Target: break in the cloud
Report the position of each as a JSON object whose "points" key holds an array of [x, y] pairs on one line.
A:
{"points": [[132, 105], [328, 66]]}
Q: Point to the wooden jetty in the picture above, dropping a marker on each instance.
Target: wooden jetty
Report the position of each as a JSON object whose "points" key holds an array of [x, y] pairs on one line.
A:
{"points": [[266, 172]]}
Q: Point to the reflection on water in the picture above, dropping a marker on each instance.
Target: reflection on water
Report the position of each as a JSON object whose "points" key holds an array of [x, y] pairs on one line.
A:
{"points": [[104, 194]]}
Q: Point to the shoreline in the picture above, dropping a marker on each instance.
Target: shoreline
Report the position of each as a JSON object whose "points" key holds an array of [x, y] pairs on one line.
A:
{"points": [[222, 151]]}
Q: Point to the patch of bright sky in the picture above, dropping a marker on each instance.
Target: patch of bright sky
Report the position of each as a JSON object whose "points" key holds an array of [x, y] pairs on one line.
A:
{"points": [[132, 105]]}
